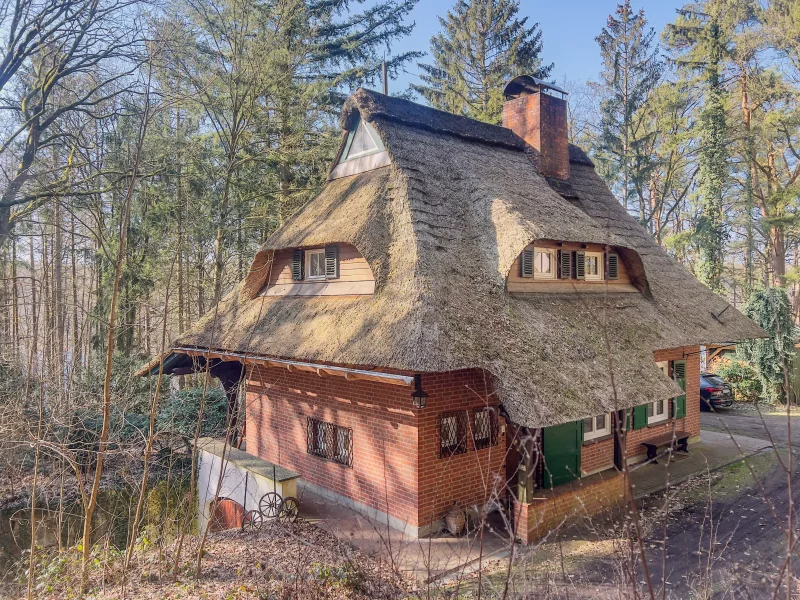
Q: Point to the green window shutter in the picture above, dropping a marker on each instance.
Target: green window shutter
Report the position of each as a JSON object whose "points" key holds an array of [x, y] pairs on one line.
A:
{"points": [[526, 264], [297, 265], [331, 262], [640, 416], [564, 264], [679, 375], [612, 271], [580, 264]]}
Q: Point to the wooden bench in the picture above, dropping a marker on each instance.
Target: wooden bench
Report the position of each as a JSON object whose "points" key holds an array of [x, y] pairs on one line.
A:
{"points": [[679, 440]]}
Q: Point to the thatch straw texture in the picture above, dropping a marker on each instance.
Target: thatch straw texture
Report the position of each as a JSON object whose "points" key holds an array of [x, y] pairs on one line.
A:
{"points": [[440, 229]]}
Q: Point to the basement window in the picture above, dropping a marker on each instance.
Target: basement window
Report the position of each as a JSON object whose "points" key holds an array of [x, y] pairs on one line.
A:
{"points": [[596, 427], [330, 441], [452, 433], [484, 427], [544, 263]]}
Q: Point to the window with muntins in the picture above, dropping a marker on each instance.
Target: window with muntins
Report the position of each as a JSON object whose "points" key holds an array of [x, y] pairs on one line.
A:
{"points": [[484, 428], [452, 433], [315, 264], [544, 263], [596, 427], [657, 411], [329, 441], [594, 266]]}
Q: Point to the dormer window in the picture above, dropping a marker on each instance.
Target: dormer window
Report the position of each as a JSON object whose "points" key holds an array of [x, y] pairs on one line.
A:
{"points": [[593, 266], [362, 141], [553, 266], [315, 264], [544, 263], [362, 151]]}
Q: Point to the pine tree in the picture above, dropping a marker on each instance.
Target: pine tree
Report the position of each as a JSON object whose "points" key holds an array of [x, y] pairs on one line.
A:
{"points": [[482, 45], [632, 69], [702, 47]]}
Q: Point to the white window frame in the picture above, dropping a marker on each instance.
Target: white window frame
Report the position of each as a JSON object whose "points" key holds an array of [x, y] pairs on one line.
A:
{"points": [[600, 256], [552, 253], [657, 417], [309, 254], [595, 432]]}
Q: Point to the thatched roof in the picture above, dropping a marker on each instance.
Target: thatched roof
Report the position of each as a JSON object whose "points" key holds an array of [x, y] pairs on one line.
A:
{"points": [[440, 228]]}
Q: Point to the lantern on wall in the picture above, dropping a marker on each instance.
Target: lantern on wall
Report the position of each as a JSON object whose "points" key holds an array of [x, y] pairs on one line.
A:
{"points": [[419, 399]]}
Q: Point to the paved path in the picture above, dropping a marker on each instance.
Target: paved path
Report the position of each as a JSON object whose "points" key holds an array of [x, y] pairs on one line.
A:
{"points": [[751, 425], [714, 451], [439, 558]]}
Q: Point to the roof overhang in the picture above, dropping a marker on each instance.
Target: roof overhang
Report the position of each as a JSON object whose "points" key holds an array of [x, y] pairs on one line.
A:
{"points": [[183, 360]]}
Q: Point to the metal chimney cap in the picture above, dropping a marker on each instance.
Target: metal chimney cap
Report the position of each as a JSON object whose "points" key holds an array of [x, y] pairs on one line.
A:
{"points": [[525, 85]]}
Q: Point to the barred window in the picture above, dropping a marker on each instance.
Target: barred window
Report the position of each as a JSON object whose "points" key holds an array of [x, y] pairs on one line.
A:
{"points": [[330, 441], [484, 428], [452, 433]]}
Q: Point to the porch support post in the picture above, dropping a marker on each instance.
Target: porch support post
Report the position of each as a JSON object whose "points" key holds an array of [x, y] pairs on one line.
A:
{"points": [[231, 375], [620, 429]]}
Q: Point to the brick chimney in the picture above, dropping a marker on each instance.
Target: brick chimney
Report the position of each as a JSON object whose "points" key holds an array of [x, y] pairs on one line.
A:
{"points": [[537, 112]]}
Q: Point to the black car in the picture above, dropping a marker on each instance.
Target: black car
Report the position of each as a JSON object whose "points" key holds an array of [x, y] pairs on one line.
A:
{"points": [[715, 392]]}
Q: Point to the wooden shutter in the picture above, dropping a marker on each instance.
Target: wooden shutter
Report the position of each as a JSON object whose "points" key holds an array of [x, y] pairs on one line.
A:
{"points": [[679, 375], [526, 264], [561, 447], [612, 270], [564, 264], [580, 264], [297, 265], [331, 262], [640, 416]]}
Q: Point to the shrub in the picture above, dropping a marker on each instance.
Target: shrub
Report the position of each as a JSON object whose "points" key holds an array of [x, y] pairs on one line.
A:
{"points": [[771, 309], [180, 412], [743, 377]]}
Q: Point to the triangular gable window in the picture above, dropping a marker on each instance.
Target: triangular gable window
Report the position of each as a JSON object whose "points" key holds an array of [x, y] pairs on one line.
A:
{"points": [[362, 141]]}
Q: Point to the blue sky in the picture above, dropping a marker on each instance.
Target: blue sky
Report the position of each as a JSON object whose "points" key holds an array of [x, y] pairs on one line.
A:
{"points": [[568, 31]]}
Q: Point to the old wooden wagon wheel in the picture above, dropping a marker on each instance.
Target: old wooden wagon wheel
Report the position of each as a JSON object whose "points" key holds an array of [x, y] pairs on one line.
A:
{"points": [[252, 521], [270, 505], [290, 508]]}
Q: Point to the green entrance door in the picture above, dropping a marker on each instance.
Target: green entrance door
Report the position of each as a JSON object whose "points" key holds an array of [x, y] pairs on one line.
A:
{"points": [[561, 446]]}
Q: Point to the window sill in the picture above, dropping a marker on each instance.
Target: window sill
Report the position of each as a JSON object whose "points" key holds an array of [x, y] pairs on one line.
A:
{"points": [[601, 438]]}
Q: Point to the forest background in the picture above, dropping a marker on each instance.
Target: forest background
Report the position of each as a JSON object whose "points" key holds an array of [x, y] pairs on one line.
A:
{"points": [[147, 149]]}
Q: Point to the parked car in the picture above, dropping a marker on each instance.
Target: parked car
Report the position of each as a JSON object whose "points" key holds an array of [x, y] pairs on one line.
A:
{"points": [[715, 392]]}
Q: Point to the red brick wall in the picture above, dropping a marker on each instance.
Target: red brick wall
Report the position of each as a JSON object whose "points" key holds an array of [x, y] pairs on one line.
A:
{"points": [[396, 468], [580, 499], [596, 456], [467, 479]]}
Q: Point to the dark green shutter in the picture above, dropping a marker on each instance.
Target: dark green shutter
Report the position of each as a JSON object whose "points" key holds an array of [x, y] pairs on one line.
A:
{"points": [[564, 264], [526, 264], [561, 447], [640, 416], [679, 375], [297, 265], [331, 262], [580, 264], [613, 266]]}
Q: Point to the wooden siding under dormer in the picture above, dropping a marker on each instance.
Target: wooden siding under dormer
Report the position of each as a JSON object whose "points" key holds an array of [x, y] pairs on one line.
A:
{"points": [[518, 284], [355, 276]]}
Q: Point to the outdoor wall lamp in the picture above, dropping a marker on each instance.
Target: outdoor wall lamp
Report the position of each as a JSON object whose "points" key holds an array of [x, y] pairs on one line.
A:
{"points": [[419, 399]]}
